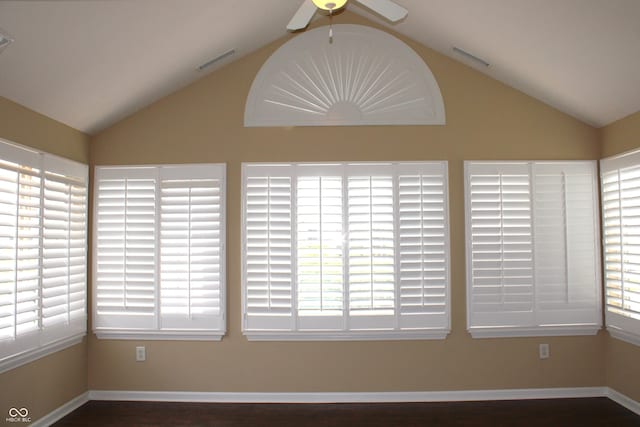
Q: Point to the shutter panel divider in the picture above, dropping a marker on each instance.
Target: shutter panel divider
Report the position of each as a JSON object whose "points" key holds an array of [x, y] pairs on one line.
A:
{"points": [[397, 274], [294, 247], [532, 209], [346, 302], [40, 295], [157, 177]]}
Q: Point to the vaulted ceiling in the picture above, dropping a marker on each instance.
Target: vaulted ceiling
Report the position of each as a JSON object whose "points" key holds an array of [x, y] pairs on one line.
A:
{"points": [[91, 63]]}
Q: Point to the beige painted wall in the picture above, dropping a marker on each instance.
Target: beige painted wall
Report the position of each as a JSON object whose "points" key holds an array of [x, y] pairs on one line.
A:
{"points": [[622, 359], [204, 123], [47, 383]]}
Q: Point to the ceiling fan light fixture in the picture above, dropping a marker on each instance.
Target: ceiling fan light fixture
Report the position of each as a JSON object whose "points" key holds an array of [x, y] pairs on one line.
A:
{"points": [[329, 5]]}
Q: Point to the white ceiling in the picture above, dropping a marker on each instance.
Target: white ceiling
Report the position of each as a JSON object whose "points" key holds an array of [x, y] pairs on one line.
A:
{"points": [[91, 63]]}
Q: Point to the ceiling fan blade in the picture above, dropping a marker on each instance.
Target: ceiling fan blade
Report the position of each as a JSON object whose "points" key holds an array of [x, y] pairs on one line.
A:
{"points": [[303, 16], [385, 8]]}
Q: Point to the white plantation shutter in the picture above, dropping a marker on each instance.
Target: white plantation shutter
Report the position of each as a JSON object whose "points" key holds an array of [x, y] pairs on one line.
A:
{"points": [[345, 251], [371, 255], [125, 248], [566, 243], [191, 241], [159, 251], [268, 248], [319, 256], [620, 186], [42, 253], [532, 255], [423, 246]]}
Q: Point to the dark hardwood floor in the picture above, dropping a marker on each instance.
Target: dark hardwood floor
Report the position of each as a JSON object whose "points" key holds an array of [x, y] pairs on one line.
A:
{"points": [[538, 413]]}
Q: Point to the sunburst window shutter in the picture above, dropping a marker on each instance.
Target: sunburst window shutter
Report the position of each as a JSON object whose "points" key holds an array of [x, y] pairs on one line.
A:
{"points": [[159, 251], [532, 248], [620, 187], [345, 251], [43, 219]]}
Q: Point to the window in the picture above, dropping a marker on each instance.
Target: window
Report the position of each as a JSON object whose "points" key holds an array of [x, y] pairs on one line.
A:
{"points": [[159, 235], [620, 185], [532, 248], [43, 227], [345, 251]]}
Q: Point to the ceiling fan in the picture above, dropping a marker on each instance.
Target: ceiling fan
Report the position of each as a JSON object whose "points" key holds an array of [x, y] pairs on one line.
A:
{"points": [[385, 8]]}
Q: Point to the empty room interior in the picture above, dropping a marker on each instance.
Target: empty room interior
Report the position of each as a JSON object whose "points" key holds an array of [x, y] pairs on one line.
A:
{"points": [[249, 202]]}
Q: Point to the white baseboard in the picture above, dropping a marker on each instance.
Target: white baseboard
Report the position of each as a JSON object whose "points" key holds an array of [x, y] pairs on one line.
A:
{"points": [[63, 410], [419, 396], [623, 400], [381, 397]]}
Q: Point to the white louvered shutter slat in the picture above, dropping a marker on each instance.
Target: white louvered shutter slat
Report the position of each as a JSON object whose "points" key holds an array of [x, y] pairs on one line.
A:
{"points": [[620, 187]]}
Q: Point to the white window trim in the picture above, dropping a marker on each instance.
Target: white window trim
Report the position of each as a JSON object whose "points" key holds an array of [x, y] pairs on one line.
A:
{"points": [[67, 339], [165, 334], [32, 355], [533, 331], [346, 334], [618, 326]]}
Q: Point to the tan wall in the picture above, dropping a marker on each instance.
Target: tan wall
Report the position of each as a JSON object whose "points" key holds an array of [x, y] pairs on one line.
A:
{"points": [[47, 383], [622, 367], [204, 123]]}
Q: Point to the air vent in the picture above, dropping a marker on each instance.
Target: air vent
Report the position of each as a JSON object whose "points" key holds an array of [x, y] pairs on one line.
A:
{"points": [[470, 56], [216, 59]]}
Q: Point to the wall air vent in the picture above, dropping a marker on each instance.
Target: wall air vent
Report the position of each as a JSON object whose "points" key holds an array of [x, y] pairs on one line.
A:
{"points": [[216, 59], [5, 40], [470, 56]]}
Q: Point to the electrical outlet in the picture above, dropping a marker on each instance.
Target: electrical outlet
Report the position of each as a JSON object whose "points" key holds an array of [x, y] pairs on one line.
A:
{"points": [[141, 354], [544, 351]]}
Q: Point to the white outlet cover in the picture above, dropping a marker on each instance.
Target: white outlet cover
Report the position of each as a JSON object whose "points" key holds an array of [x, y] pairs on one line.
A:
{"points": [[141, 354]]}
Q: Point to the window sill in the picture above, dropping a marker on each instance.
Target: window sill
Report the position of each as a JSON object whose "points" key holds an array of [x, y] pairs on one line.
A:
{"points": [[28, 356], [345, 336], [624, 335], [159, 335], [542, 331]]}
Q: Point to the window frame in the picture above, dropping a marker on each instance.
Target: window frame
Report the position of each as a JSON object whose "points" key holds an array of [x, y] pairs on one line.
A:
{"points": [[198, 170], [507, 331], [294, 334], [46, 340]]}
